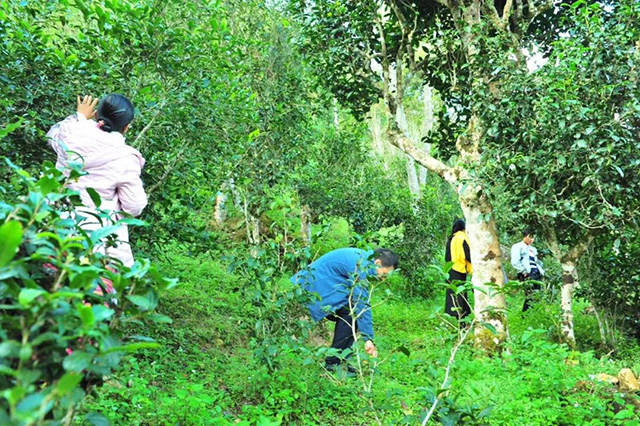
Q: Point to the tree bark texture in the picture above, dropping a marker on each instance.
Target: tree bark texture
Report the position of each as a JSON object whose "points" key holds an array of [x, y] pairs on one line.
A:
{"points": [[305, 225], [569, 282], [568, 259], [220, 209], [488, 277]]}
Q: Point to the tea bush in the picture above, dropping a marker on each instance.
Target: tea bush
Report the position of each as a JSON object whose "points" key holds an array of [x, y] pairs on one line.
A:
{"points": [[61, 329]]}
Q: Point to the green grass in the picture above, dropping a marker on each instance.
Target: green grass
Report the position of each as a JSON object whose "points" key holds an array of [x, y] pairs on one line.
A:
{"points": [[206, 374]]}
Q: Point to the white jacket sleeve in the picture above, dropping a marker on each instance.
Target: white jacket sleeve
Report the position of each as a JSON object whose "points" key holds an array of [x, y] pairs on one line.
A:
{"points": [[55, 135], [516, 260], [131, 193]]}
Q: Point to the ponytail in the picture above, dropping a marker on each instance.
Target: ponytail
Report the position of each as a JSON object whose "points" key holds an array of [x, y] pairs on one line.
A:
{"points": [[115, 112]]}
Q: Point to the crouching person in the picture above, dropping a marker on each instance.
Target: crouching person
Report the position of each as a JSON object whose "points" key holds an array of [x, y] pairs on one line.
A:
{"points": [[339, 280]]}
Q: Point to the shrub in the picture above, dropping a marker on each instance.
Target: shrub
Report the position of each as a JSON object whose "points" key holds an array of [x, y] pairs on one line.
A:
{"points": [[333, 234], [59, 334]]}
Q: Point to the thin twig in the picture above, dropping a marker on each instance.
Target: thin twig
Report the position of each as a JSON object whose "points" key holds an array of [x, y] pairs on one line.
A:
{"points": [[168, 170], [463, 337], [138, 138]]}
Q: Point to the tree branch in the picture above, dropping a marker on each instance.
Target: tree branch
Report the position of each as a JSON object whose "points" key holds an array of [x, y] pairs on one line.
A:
{"points": [[492, 14], [506, 13], [392, 103], [137, 140], [554, 245], [574, 253], [449, 174], [580, 248], [385, 69], [168, 170], [540, 9]]}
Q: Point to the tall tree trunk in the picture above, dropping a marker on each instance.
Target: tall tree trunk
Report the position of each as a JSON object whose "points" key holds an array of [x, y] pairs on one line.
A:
{"points": [[568, 259], [569, 282], [422, 171], [428, 121], [375, 124], [601, 328], [305, 225], [412, 177], [488, 277], [252, 224], [237, 198], [220, 209], [254, 235]]}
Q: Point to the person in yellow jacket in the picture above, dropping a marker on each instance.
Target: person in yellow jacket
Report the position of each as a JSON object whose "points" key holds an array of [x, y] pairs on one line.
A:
{"points": [[458, 252]]}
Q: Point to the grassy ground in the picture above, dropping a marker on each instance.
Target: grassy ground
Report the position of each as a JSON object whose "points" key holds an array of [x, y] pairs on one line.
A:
{"points": [[207, 374]]}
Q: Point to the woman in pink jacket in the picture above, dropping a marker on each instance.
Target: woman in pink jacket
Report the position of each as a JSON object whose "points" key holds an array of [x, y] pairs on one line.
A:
{"points": [[113, 168]]}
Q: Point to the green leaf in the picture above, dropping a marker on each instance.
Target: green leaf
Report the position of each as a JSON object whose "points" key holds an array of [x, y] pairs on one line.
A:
{"points": [[45, 337], [265, 421], [97, 419], [31, 403], [140, 301], [101, 233], [133, 221], [95, 197], [404, 350], [10, 128], [486, 412], [11, 237], [27, 295], [101, 312], [7, 371], [10, 349], [77, 361], [490, 327], [142, 338], [28, 377], [132, 347], [25, 352], [86, 315], [160, 319], [145, 303], [67, 383], [624, 414], [48, 184]]}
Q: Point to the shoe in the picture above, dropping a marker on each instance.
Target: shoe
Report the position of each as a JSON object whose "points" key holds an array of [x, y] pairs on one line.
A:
{"points": [[341, 369]]}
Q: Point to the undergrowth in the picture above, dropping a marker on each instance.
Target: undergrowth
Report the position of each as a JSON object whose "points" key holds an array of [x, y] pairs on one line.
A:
{"points": [[206, 372]]}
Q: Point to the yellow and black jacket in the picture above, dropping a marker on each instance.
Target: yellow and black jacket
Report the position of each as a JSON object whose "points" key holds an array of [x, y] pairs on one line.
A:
{"points": [[459, 253]]}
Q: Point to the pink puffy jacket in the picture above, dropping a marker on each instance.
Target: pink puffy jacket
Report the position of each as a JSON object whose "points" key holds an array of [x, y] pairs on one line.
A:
{"points": [[113, 170]]}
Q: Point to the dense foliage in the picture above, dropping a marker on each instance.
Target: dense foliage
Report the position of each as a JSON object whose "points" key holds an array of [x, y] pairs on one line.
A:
{"points": [[260, 124], [565, 137], [59, 321]]}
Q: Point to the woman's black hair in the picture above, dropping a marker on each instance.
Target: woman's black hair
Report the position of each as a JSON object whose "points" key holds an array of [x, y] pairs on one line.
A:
{"points": [[115, 111], [458, 225]]}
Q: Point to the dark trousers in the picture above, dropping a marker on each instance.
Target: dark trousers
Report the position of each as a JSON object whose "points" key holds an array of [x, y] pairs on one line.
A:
{"points": [[343, 333], [531, 289], [457, 305]]}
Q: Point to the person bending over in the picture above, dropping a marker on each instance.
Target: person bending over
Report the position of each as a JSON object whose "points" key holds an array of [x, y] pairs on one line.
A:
{"points": [[339, 279]]}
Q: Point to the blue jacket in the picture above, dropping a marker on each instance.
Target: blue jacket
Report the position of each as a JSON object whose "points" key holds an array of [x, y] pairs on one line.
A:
{"points": [[335, 277]]}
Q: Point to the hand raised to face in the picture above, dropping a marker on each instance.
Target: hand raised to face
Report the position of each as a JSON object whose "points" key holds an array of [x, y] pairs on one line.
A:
{"points": [[86, 106]]}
